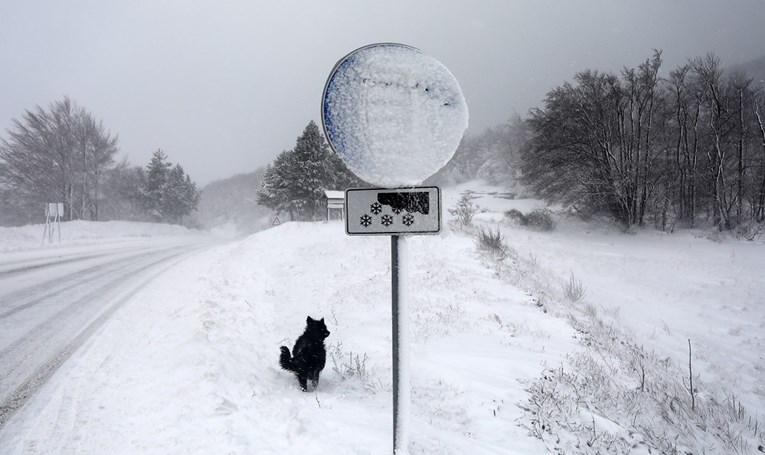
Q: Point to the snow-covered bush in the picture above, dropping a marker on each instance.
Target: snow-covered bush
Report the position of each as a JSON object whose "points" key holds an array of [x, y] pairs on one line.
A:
{"points": [[492, 243], [574, 289], [540, 219], [349, 365], [464, 211], [516, 215], [750, 231]]}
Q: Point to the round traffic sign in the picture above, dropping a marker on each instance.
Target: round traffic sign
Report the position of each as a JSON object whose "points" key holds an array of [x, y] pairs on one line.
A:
{"points": [[394, 114]]}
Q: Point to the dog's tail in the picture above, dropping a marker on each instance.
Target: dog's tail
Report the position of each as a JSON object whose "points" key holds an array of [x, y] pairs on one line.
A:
{"points": [[285, 359]]}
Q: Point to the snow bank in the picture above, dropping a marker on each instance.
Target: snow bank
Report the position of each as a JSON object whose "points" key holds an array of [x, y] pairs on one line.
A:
{"points": [[648, 294], [82, 232], [190, 365]]}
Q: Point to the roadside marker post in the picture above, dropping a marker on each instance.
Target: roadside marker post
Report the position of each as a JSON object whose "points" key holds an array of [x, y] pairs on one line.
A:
{"points": [[53, 213], [395, 116]]}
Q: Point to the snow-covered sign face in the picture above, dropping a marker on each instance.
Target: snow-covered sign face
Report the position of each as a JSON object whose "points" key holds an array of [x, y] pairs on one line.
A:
{"points": [[393, 114]]}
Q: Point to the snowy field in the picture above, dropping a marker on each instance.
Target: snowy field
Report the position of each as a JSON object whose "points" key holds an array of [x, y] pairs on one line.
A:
{"points": [[665, 289], [189, 365], [85, 232]]}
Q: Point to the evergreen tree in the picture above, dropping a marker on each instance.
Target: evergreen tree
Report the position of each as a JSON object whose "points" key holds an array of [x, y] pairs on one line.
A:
{"points": [[156, 177], [179, 195], [296, 180], [168, 192]]}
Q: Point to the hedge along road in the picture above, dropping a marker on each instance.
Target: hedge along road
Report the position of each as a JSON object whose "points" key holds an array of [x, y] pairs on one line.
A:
{"points": [[52, 301]]}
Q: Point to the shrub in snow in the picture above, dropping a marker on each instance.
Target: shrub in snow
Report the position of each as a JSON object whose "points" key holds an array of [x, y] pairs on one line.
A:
{"points": [[349, 365], [464, 211], [573, 289], [750, 231], [517, 216], [492, 243], [540, 219]]}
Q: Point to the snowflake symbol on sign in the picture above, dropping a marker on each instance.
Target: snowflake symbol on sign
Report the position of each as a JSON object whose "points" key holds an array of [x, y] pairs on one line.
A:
{"points": [[366, 220], [376, 208], [408, 219], [386, 220]]}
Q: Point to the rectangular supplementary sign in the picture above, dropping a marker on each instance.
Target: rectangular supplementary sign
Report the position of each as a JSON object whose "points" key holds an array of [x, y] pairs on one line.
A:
{"points": [[386, 211], [54, 208]]}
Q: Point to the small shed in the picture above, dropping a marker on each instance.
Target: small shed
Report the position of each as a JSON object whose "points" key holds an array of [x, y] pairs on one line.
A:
{"points": [[335, 203]]}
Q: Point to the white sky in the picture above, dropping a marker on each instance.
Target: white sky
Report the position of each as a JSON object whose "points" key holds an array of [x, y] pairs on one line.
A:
{"points": [[223, 87]]}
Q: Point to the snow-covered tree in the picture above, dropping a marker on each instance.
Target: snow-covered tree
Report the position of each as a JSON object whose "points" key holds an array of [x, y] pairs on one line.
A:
{"points": [[58, 154], [168, 192], [123, 193], [157, 172], [179, 195], [296, 180]]}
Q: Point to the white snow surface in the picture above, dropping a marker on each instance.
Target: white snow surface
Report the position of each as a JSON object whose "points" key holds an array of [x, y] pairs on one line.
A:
{"points": [[190, 364], [85, 232], [662, 288], [394, 114]]}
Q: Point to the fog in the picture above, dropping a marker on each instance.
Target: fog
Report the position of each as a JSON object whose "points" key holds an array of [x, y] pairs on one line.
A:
{"points": [[223, 87]]}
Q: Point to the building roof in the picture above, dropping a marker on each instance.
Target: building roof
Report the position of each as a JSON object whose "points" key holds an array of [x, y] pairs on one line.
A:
{"points": [[334, 194]]}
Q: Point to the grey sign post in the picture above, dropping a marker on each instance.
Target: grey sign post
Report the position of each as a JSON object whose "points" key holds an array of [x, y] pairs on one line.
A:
{"points": [[396, 212], [395, 116]]}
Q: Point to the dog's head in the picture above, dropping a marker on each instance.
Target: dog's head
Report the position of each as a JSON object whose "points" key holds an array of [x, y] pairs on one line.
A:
{"points": [[317, 327]]}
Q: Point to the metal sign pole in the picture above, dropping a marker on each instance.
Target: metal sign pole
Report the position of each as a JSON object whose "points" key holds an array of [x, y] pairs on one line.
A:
{"points": [[357, 121], [394, 314], [400, 313]]}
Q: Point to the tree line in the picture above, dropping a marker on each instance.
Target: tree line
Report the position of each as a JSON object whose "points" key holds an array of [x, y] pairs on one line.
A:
{"points": [[63, 154], [675, 149]]}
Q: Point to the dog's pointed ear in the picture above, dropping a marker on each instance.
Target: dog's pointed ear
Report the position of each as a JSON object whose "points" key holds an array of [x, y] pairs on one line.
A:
{"points": [[309, 320], [321, 320]]}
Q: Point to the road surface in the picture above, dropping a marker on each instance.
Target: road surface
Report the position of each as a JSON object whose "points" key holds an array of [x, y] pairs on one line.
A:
{"points": [[52, 300]]}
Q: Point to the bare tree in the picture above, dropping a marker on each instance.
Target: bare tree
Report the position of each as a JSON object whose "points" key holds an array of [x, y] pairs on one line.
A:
{"points": [[57, 154], [758, 208]]}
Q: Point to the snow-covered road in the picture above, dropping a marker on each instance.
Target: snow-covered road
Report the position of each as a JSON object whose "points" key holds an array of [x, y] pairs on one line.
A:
{"points": [[52, 300]]}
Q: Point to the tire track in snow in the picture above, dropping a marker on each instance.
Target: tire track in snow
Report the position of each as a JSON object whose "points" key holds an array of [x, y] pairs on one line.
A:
{"points": [[81, 277], [23, 350], [16, 266]]}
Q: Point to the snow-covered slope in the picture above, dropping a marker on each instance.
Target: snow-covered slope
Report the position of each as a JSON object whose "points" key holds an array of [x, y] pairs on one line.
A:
{"points": [[84, 232], [190, 365]]}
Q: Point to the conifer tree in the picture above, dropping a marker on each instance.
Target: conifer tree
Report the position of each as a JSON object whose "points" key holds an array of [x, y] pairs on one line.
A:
{"points": [[169, 193], [296, 180], [156, 176]]}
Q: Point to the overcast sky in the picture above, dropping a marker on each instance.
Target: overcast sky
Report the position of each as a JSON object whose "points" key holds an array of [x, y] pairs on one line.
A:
{"points": [[224, 86]]}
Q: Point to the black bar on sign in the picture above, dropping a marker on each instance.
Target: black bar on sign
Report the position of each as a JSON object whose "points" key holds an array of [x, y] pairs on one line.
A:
{"points": [[414, 201]]}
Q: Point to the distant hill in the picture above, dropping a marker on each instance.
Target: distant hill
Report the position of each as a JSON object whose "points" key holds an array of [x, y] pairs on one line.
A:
{"points": [[231, 205], [754, 69]]}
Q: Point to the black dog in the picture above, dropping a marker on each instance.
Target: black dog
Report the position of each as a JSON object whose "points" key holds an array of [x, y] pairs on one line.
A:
{"points": [[309, 355]]}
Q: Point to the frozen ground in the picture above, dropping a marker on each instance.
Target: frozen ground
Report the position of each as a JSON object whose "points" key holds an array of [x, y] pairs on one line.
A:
{"points": [[85, 232], [189, 364], [53, 297], [663, 288], [659, 291]]}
